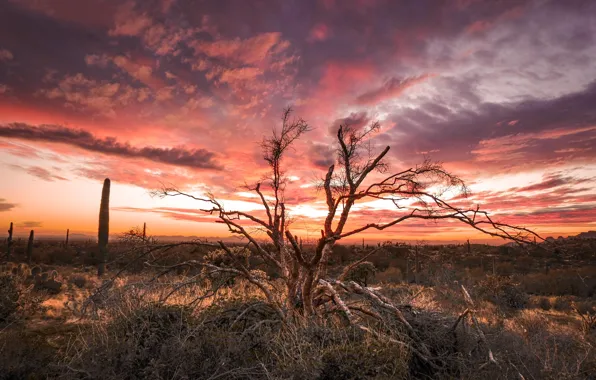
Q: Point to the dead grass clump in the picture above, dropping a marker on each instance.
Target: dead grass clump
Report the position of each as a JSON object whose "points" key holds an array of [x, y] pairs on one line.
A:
{"points": [[365, 359], [58, 255], [562, 303], [361, 273], [167, 341], [544, 303], [328, 350], [78, 280], [543, 349]]}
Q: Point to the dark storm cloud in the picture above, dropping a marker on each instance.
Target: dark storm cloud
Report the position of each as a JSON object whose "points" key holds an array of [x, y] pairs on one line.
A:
{"points": [[193, 158], [542, 128], [39, 41], [321, 155], [356, 120], [392, 88]]}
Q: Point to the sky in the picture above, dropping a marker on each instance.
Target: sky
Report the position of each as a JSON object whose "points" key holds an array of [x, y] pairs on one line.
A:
{"points": [[179, 92]]}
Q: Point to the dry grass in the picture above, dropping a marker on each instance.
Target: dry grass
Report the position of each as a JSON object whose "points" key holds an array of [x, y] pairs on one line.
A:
{"points": [[140, 329]]}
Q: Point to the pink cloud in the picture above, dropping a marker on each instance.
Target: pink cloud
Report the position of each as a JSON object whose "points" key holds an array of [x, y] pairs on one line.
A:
{"points": [[128, 22], [5, 55], [251, 51], [319, 32]]}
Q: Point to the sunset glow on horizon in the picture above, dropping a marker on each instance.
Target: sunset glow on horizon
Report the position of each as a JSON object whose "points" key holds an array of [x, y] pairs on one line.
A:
{"points": [[181, 93]]}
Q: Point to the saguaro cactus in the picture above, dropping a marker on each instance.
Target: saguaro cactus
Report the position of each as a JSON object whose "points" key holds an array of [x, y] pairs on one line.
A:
{"points": [[144, 231], [9, 243], [469, 248], [66, 241], [30, 246], [104, 227]]}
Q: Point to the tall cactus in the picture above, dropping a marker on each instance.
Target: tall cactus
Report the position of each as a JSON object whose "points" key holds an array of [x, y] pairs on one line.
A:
{"points": [[104, 227], [469, 248], [30, 246], [9, 243], [144, 231], [66, 241]]}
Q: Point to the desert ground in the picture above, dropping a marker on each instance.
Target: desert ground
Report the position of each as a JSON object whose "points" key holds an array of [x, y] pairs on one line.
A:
{"points": [[532, 315]]}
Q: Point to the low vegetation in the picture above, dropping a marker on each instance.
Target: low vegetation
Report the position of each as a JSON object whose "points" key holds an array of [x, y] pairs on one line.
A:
{"points": [[216, 328]]}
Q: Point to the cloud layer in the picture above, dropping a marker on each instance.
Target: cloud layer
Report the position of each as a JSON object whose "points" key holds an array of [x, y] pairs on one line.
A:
{"points": [[193, 158], [171, 91]]}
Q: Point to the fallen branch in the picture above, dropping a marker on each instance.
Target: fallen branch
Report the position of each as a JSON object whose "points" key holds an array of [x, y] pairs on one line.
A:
{"points": [[338, 301], [470, 302]]}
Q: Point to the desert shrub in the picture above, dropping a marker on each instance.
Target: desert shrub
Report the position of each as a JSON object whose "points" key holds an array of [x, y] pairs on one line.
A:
{"points": [[505, 269], [559, 282], [444, 274], [390, 275], [474, 275], [543, 350], [9, 296], [161, 341], [341, 253], [524, 264], [78, 280], [330, 351], [132, 345], [26, 355], [221, 258], [562, 304], [59, 255], [544, 303], [361, 273], [364, 360], [383, 260], [502, 291]]}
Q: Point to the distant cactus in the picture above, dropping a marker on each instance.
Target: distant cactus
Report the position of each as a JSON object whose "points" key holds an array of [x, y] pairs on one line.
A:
{"points": [[9, 243], [144, 231], [30, 246], [469, 248], [66, 241], [104, 227]]}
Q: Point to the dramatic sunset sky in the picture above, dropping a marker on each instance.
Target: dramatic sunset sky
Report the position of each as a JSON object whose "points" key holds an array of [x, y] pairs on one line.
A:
{"points": [[182, 92]]}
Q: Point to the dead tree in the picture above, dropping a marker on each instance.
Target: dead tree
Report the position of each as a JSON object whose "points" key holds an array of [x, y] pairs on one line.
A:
{"points": [[358, 175]]}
